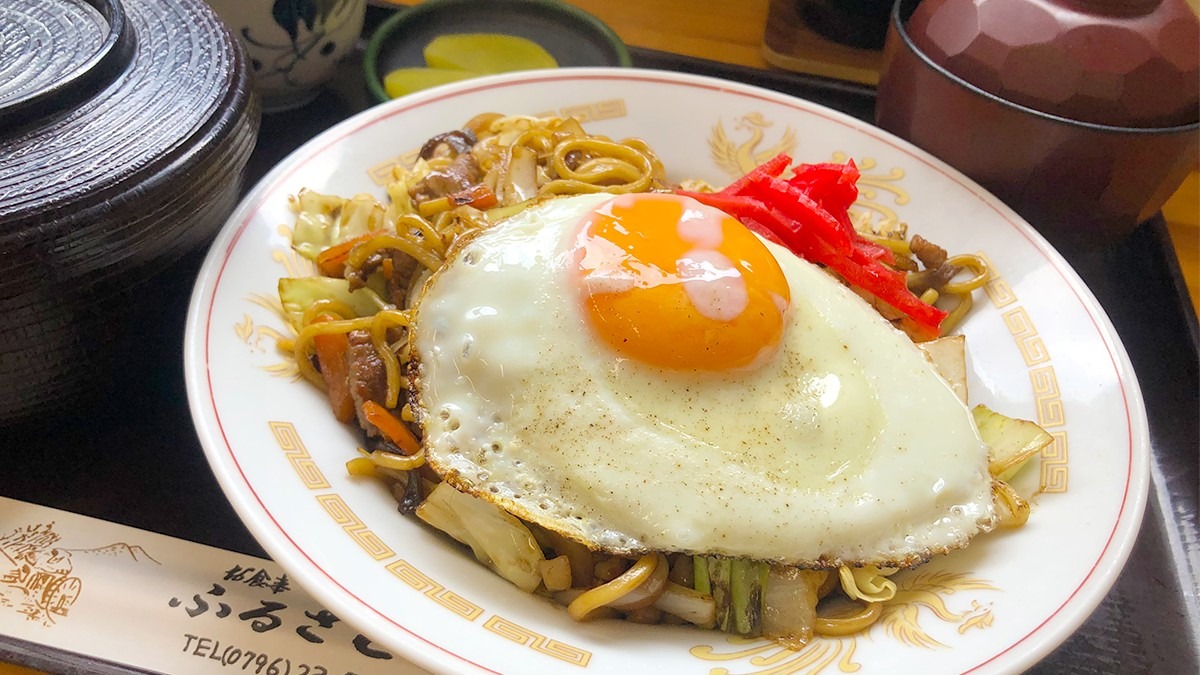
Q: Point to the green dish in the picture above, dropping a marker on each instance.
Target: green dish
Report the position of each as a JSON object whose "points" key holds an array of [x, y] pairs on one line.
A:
{"points": [[573, 37]]}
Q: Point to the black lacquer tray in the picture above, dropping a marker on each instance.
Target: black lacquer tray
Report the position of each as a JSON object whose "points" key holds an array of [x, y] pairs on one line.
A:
{"points": [[81, 461]]}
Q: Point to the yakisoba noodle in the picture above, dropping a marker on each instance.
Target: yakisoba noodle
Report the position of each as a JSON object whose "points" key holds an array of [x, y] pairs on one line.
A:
{"points": [[960, 291], [502, 164], [567, 161]]}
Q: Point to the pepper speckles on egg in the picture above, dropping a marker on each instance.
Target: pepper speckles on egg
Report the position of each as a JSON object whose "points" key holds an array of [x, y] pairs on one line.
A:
{"points": [[838, 444]]}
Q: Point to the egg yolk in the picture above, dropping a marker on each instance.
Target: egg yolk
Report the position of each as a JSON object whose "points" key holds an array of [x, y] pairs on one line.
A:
{"points": [[677, 284]]}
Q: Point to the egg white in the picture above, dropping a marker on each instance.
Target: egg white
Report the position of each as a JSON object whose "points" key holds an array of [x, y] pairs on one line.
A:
{"points": [[846, 447]]}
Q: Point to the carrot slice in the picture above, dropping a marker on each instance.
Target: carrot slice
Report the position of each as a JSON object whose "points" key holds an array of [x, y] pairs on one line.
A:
{"points": [[391, 428], [331, 349], [332, 261], [479, 196]]}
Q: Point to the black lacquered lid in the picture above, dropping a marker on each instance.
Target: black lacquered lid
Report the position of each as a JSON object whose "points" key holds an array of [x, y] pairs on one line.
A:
{"points": [[106, 89], [57, 54], [125, 126]]}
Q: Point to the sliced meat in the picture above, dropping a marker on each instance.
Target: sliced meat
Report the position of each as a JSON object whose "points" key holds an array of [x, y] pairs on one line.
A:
{"points": [[451, 143], [930, 254], [405, 270], [461, 174], [357, 277], [919, 282], [368, 376]]}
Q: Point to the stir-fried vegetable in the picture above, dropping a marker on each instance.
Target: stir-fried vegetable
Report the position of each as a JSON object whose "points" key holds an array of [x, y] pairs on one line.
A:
{"points": [[736, 586], [497, 538], [688, 604], [790, 604], [391, 428], [299, 295], [949, 356], [331, 350], [1013, 442], [331, 262], [324, 220]]}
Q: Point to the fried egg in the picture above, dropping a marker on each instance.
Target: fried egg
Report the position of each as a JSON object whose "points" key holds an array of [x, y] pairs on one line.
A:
{"points": [[642, 373]]}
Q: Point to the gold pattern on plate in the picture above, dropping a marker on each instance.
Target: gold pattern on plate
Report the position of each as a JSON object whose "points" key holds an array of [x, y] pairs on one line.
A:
{"points": [[998, 291], [769, 658], [452, 601], [252, 334], [919, 595], [590, 112], [39, 578], [343, 515], [926, 591], [383, 173], [737, 159], [1054, 463], [870, 211], [1046, 397], [297, 455], [538, 642], [1029, 343], [1043, 380], [295, 264]]}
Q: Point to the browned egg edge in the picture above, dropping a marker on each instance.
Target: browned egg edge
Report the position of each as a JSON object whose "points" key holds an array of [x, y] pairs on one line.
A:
{"points": [[462, 484]]}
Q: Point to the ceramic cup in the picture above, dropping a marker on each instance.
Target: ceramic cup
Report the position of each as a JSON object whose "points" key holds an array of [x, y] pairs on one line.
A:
{"points": [[294, 45], [1082, 185]]}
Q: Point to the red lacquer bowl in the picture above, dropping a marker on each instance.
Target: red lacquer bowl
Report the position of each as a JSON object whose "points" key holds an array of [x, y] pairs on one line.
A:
{"points": [[1080, 183]]}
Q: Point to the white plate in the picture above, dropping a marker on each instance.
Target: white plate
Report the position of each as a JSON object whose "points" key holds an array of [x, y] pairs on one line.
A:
{"points": [[1039, 345]]}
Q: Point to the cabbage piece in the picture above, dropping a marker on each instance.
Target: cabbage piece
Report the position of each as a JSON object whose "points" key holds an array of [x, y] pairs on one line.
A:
{"points": [[497, 538], [790, 605], [325, 220], [949, 357], [399, 200], [556, 573], [298, 294], [1013, 442], [519, 183]]}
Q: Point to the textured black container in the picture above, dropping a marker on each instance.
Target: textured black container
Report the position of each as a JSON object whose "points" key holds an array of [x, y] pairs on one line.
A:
{"points": [[125, 127]]}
